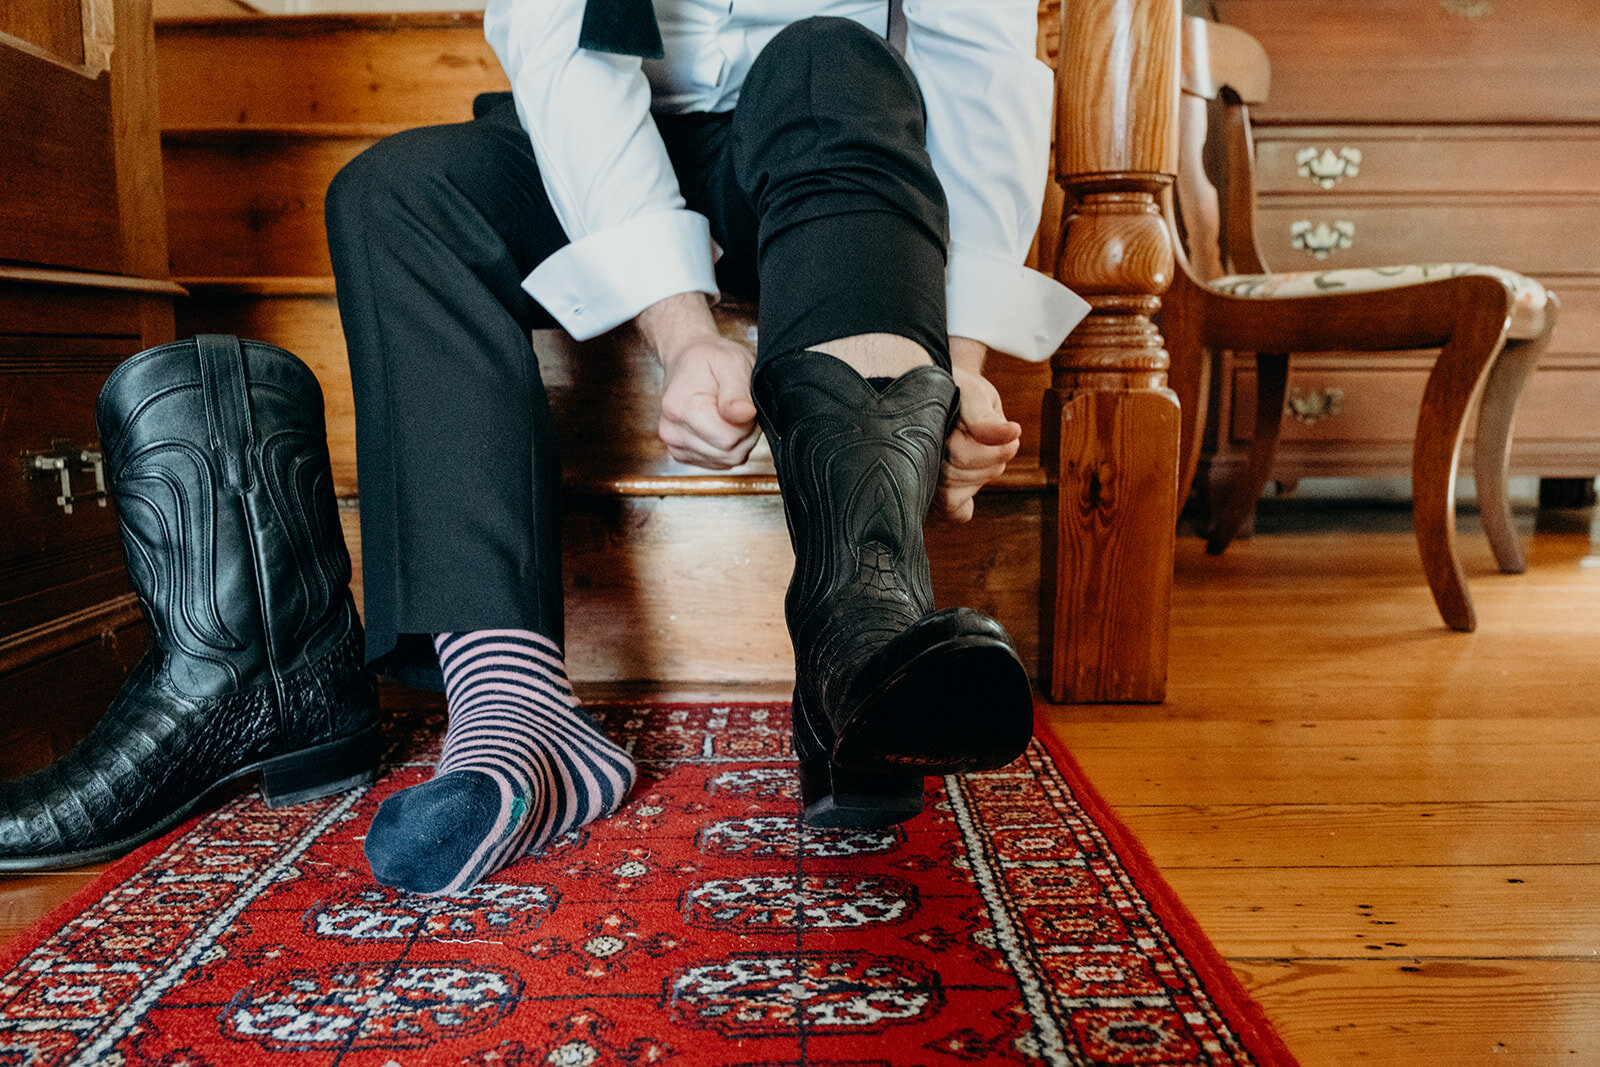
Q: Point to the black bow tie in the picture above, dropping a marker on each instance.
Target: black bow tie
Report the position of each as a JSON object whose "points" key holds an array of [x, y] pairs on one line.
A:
{"points": [[625, 27]]}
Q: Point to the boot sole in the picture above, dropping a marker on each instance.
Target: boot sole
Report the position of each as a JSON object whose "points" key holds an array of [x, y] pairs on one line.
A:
{"points": [[963, 704], [293, 778]]}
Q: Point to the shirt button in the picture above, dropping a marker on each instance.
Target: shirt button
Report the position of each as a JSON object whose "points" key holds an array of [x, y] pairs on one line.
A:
{"points": [[578, 309]]}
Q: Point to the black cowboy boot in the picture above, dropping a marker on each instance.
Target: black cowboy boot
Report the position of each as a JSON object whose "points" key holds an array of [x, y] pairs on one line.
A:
{"points": [[887, 690], [219, 470]]}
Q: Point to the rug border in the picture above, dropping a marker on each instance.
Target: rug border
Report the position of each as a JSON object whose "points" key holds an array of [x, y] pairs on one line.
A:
{"points": [[1243, 1012], [34, 934], [1255, 1030]]}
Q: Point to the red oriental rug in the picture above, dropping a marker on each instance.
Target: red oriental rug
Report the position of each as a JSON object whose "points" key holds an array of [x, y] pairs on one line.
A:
{"points": [[1013, 921]]}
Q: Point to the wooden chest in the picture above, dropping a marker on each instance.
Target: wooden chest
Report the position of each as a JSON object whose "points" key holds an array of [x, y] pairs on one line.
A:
{"points": [[83, 285], [1404, 131]]}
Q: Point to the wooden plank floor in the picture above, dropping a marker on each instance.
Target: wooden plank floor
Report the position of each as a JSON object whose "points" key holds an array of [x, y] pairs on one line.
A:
{"points": [[1391, 831]]}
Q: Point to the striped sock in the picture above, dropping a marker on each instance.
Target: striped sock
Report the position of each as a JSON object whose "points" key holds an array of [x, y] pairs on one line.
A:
{"points": [[521, 766]]}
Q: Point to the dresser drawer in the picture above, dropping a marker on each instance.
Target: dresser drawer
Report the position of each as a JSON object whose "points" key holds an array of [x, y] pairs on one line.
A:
{"points": [[1372, 403], [1450, 160], [1400, 61], [1539, 235]]}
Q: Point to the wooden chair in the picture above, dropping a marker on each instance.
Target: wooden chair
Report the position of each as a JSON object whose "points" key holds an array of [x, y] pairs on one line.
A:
{"points": [[1490, 325]]}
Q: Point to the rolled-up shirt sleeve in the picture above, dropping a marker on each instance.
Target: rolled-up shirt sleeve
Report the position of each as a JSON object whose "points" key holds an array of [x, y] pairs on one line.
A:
{"points": [[605, 169], [988, 102]]}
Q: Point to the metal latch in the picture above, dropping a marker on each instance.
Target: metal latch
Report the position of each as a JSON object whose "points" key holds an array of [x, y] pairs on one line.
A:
{"points": [[63, 460]]}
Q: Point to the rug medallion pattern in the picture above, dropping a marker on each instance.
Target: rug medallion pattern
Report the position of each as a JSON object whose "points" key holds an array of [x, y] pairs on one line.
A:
{"points": [[701, 925]]}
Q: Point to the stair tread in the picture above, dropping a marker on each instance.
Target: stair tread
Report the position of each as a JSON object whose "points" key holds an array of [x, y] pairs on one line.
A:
{"points": [[209, 133], [259, 285], [248, 24], [647, 477]]}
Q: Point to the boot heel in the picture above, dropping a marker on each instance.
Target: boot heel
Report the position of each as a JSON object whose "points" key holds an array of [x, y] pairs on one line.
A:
{"points": [[313, 773], [839, 799]]}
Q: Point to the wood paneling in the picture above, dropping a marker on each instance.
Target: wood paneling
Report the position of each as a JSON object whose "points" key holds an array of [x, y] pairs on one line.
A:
{"points": [[53, 563], [67, 132], [38, 726], [691, 588], [54, 26], [136, 145], [372, 70], [251, 204], [1418, 61]]}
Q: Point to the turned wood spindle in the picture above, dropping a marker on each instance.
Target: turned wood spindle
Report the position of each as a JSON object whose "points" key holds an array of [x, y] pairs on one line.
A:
{"points": [[1111, 424]]}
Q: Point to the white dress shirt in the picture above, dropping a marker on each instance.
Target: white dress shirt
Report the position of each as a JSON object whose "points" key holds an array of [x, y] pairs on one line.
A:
{"points": [[612, 186]]}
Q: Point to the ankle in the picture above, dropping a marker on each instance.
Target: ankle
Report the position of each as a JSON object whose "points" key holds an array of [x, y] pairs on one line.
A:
{"points": [[876, 355]]}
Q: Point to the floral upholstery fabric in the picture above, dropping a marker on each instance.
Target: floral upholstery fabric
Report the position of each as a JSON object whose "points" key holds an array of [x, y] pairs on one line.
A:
{"points": [[1529, 298]]}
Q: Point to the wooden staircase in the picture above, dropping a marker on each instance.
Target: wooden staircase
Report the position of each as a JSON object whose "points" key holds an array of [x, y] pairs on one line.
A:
{"points": [[672, 574]]}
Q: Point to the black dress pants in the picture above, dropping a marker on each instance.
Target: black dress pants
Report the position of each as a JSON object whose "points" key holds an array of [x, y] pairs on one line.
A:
{"points": [[822, 196]]}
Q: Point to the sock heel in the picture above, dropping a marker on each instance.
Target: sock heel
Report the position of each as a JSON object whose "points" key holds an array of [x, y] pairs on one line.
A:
{"points": [[314, 773]]}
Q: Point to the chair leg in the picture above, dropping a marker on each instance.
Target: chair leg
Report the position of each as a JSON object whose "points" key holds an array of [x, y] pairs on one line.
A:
{"points": [[1436, 453], [1189, 376], [1497, 411], [1239, 499]]}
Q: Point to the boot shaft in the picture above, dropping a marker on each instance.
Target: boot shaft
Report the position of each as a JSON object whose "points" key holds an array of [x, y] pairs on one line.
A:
{"points": [[858, 469], [217, 461]]}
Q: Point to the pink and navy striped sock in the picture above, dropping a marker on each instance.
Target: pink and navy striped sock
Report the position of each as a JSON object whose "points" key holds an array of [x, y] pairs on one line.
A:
{"points": [[521, 766]]}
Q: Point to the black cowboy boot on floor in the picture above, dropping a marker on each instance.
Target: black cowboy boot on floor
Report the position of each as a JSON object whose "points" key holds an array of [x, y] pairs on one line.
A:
{"points": [[887, 690], [219, 470]]}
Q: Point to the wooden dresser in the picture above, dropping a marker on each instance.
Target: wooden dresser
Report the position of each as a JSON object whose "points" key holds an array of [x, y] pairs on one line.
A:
{"points": [[1404, 131], [83, 285]]}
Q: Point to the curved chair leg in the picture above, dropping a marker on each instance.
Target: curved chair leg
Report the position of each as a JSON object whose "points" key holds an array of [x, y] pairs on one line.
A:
{"points": [[1497, 410], [1189, 376], [1239, 500], [1436, 454]]}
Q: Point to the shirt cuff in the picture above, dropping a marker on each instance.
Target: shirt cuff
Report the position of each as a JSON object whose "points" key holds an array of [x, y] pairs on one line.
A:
{"points": [[598, 282], [1009, 307]]}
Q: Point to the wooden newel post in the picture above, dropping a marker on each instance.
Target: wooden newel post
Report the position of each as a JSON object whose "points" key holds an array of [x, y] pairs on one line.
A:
{"points": [[1110, 422]]}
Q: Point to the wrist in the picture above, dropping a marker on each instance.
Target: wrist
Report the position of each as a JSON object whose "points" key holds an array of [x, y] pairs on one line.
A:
{"points": [[675, 321], [967, 354]]}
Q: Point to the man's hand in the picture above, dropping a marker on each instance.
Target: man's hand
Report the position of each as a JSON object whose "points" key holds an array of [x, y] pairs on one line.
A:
{"points": [[707, 416], [983, 442]]}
